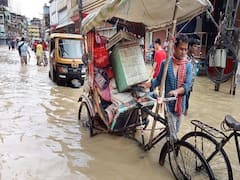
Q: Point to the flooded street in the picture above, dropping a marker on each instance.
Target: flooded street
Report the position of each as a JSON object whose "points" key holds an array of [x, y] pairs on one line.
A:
{"points": [[40, 137]]}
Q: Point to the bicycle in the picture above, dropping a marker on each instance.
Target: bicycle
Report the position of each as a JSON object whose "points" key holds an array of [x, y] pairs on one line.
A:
{"points": [[211, 141], [185, 161]]}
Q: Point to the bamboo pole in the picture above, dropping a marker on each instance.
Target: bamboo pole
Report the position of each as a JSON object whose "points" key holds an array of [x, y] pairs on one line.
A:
{"points": [[161, 88]]}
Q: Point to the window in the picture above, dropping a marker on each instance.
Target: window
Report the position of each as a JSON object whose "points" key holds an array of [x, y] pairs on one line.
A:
{"points": [[71, 48]]}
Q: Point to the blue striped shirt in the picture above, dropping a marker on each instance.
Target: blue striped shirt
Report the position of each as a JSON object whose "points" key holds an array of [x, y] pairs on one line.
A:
{"points": [[171, 83]]}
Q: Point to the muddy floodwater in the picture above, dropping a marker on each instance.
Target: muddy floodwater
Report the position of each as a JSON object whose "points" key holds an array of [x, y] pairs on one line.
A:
{"points": [[40, 137]]}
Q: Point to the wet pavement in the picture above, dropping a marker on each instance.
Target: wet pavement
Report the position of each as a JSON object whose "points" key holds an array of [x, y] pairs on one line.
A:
{"points": [[40, 137]]}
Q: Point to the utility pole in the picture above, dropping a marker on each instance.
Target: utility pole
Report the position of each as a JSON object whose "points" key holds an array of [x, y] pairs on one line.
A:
{"points": [[80, 7]]}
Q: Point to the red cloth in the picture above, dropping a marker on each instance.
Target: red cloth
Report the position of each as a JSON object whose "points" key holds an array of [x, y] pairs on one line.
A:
{"points": [[159, 56], [101, 57], [35, 44], [181, 75], [44, 45]]}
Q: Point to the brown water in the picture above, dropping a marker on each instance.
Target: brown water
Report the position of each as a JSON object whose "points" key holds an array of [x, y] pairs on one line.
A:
{"points": [[40, 137]]}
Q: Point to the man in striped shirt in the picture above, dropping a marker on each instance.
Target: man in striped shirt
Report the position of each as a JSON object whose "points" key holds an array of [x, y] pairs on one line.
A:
{"points": [[178, 80]]}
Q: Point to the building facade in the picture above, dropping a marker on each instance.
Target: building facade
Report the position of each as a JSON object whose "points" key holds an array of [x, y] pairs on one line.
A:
{"points": [[4, 3], [65, 14], [34, 29], [46, 22], [12, 25]]}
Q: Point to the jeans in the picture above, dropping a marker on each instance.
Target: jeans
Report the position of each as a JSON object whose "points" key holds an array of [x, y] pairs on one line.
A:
{"points": [[176, 120]]}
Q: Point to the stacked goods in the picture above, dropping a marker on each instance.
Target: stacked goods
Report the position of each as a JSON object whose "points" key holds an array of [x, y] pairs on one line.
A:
{"points": [[117, 106], [121, 36], [128, 65], [121, 113]]}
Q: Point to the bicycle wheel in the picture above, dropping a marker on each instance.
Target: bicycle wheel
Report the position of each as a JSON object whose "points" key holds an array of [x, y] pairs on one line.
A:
{"points": [[186, 162], [84, 117], [215, 156]]}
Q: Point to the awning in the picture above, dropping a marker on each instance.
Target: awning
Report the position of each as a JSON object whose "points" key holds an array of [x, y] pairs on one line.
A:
{"points": [[155, 14], [64, 24]]}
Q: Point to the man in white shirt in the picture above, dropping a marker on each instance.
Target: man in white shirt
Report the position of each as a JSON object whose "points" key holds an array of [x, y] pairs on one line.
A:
{"points": [[23, 51]]}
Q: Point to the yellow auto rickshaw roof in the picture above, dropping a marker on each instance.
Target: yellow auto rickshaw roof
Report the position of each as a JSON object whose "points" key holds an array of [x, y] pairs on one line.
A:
{"points": [[66, 35]]}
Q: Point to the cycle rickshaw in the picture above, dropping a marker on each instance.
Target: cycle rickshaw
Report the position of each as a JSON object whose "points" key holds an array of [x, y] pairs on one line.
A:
{"points": [[131, 114]]}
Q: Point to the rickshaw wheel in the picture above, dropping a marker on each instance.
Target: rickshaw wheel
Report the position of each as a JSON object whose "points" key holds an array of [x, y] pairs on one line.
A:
{"points": [[59, 82], [84, 117]]}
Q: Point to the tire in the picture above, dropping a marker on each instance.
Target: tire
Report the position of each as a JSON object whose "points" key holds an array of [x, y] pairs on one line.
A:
{"points": [[187, 162], [59, 81], [208, 146], [54, 76], [84, 117], [82, 82]]}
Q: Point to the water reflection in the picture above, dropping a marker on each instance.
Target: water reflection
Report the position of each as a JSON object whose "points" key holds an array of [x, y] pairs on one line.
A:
{"points": [[39, 134]]}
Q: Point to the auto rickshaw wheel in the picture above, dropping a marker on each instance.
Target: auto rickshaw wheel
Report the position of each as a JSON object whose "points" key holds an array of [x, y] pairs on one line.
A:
{"points": [[84, 117], [59, 82], [49, 74], [82, 82]]}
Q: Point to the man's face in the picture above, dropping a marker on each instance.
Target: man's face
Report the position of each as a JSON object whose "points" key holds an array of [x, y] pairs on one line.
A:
{"points": [[156, 46], [193, 49], [180, 51]]}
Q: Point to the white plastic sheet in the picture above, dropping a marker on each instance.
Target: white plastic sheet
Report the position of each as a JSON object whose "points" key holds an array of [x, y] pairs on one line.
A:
{"points": [[155, 14]]}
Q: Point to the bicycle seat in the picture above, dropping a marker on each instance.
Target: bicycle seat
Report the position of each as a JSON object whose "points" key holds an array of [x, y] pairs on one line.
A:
{"points": [[232, 123]]}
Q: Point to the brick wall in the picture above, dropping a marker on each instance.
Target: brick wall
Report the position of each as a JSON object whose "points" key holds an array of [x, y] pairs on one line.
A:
{"points": [[159, 34]]}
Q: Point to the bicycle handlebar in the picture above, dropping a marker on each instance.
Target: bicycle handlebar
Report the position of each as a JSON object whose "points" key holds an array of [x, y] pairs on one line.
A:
{"points": [[169, 99], [156, 116]]}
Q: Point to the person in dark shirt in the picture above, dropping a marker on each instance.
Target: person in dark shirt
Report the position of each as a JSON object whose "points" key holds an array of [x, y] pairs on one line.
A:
{"points": [[193, 46]]}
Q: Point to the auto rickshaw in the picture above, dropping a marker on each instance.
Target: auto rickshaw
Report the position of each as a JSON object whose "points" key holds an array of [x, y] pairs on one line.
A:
{"points": [[66, 59]]}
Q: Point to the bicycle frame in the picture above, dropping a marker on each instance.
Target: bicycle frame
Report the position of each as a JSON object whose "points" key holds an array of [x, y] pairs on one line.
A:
{"points": [[163, 133], [223, 141], [236, 135], [158, 137]]}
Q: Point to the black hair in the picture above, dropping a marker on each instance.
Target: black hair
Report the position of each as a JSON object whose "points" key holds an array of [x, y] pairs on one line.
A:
{"points": [[193, 41], [158, 41], [22, 39], [181, 38]]}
